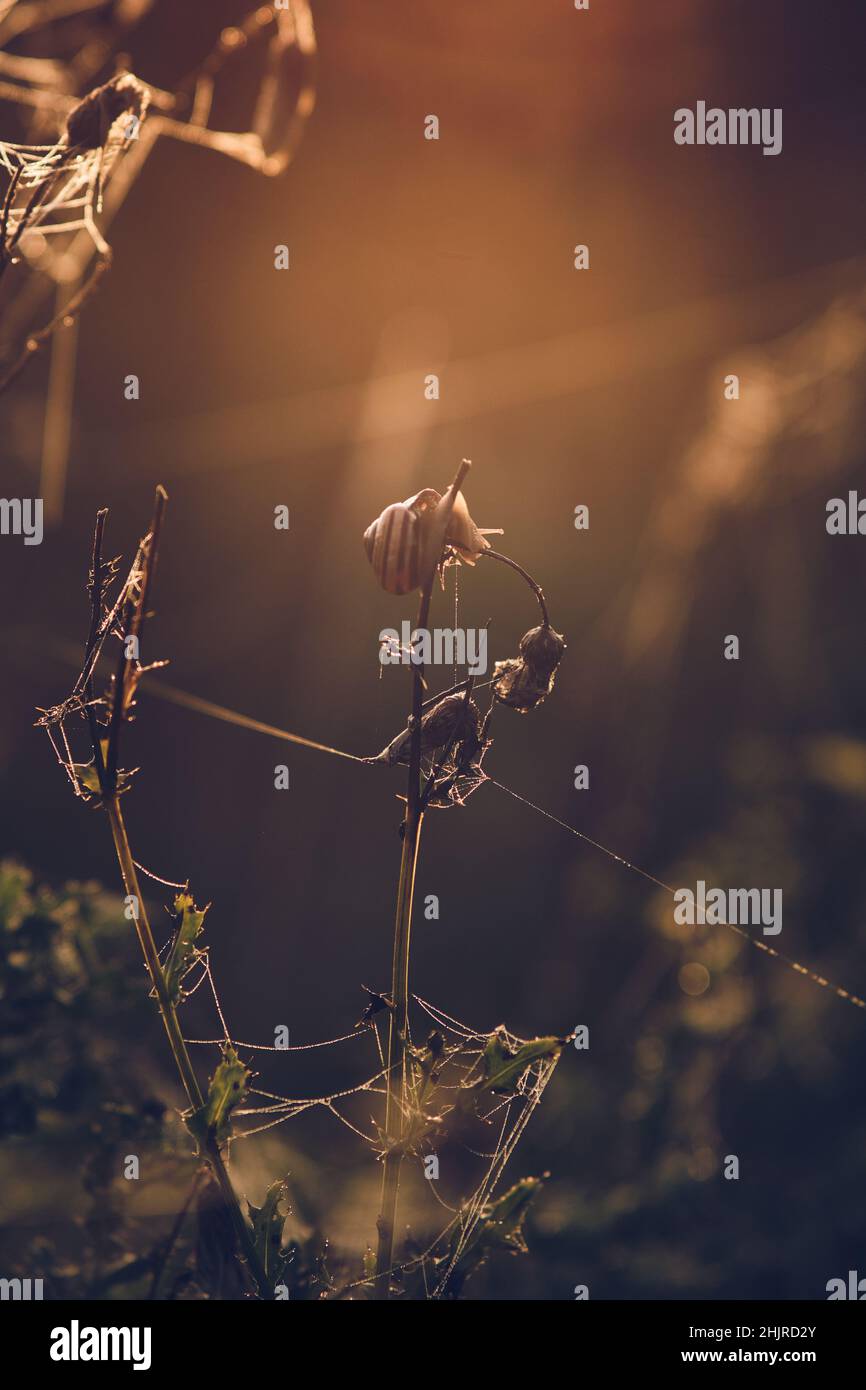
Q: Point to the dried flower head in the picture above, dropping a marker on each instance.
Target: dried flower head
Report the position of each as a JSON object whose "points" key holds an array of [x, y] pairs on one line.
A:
{"points": [[523, 682], [90, 121], [542, 649], [453, 720]]}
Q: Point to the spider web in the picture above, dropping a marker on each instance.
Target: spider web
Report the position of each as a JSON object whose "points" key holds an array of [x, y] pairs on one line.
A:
{"points": [[268, 146], [59, 201], [506, 1116], [52, 202], [57, 189], [460, 1061], [516, 1111], [460, 1070], [463, 1054]]}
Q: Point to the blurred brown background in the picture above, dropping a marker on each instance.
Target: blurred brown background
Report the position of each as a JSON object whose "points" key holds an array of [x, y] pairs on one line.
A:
{"points": [[706, 518]]}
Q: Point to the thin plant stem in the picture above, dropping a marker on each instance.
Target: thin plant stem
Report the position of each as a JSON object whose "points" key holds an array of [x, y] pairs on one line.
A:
{"points": [[128, 872], [175, 1233], [398, 1032], [398, 1029], [179, 1049]]}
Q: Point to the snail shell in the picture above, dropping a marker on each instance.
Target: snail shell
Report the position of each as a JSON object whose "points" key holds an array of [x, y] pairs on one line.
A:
{"points": [[393, 545]]}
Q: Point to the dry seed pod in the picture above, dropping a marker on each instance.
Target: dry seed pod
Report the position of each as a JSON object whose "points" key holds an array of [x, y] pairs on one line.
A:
{"points": [[517, 685], [454, 718], [514, 685], [89, 122], [523, 682], [542, 648]]}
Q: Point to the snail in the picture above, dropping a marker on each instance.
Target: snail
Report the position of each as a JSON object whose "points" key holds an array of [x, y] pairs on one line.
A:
{"points": [[397, 541]]}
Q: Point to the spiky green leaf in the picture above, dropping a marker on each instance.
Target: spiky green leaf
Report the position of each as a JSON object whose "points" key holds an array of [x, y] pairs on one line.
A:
{"points": [[504, 1066], [228, 1087], [184, 952], [268, 1224], [500, 1227]]}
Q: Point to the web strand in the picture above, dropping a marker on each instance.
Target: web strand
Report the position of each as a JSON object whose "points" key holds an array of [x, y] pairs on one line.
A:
{"points": [[214, 711], [242, 721], [195, 703], [788, 961]]}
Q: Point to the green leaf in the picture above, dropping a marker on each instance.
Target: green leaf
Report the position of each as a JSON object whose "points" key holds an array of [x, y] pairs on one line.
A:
{"points": [[499, 1228], [227, 1088], [88, 775], [503, 1219], [268, 1223], [503, 1067], [184, 952]]}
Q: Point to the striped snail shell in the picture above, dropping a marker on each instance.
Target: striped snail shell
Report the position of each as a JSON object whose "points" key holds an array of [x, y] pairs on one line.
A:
{"points": [[393, 545]]}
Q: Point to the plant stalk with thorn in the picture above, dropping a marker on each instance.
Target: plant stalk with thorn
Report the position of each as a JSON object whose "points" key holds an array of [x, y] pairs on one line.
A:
{"points": [[134, 609]]}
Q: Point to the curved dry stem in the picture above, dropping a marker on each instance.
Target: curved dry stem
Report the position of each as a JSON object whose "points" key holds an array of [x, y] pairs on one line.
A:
{"points": [[525, 575]]}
